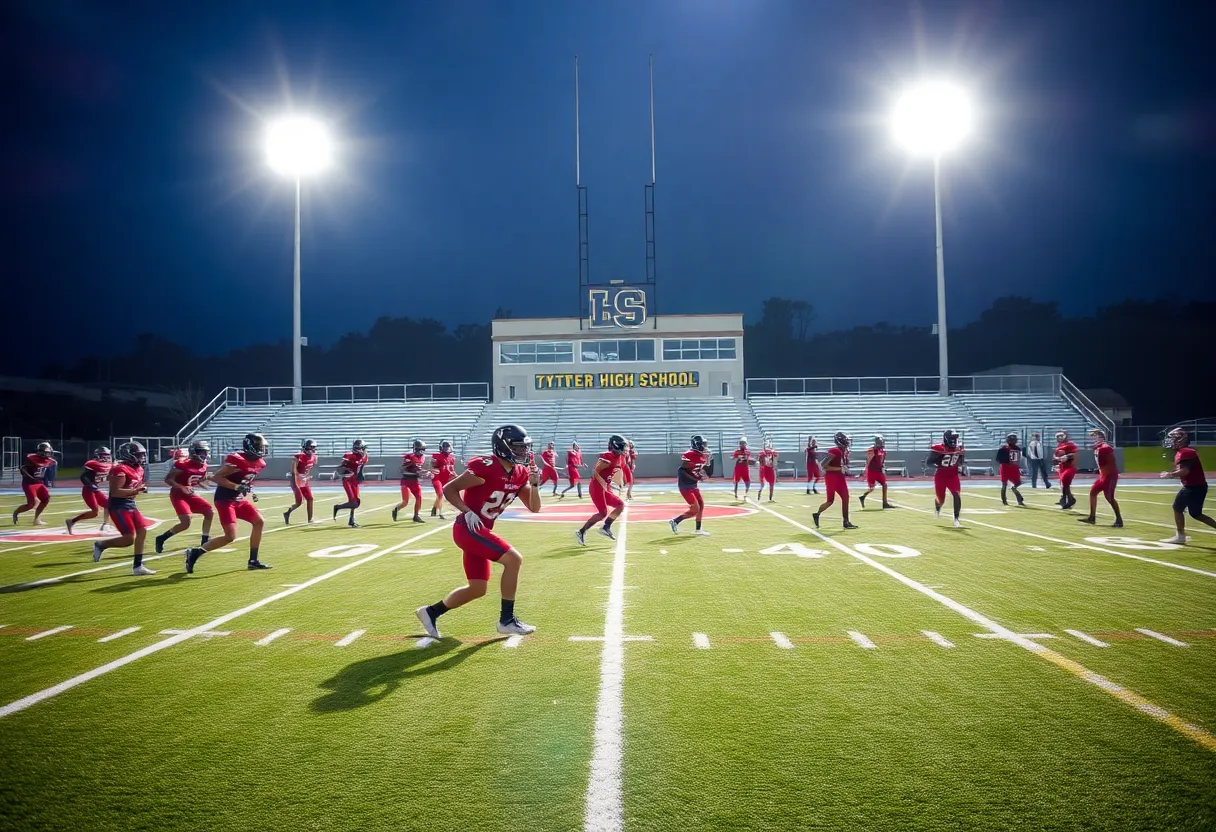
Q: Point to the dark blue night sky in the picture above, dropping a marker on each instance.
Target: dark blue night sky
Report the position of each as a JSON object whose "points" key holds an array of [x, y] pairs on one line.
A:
{"points": [[136, 191]]}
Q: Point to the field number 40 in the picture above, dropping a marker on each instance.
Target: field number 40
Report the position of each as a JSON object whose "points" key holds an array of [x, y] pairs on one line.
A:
{"points": [[881, 550]]}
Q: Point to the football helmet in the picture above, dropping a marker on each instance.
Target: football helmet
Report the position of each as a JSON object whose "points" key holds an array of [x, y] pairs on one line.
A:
{"points": [[419, 446], [358, 446], [132, 453], [45, 450], [309, 446], [1061, 436], [200, 450], [950, 438], [550, 446], [880, 441], [1098, 435], [1011, 439], [843, 440], [254, 445], [698, 442], [102, 454], [1175, 439], [445, 447], [742, 441], [616, 444], [512, 443]]}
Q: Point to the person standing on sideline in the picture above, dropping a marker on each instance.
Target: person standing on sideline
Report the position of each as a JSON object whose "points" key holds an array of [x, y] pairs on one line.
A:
{"points": [[1038, 463]]}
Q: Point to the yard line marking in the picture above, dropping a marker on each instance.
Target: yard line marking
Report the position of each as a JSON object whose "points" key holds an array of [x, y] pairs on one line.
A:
{"points": [[938, 638], [1194, 732], [1088, 639], [208, 634], [50, 632], [1019, 635], [118, 635], [513, 641], [1126, 519], [262, 642], [349, 639], [700, 641], [732, 551], [781, 641], [861, 640], [76, 681], [1149, 633], [601, 638], [604, 810], [1073, 545]]}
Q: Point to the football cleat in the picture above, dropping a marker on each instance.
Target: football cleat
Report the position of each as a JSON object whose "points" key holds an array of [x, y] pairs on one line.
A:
{"points": [[607, 533], [287, 517], [581, 537], [418, 519], [143, 570], [394, 513], [1178, 540], [428, 623], [97, 550], [701, 533], [957, 523], [257, 564], [69, 523], [675, 526], [1118, 524], [849, 526], [1091, 521], [192, 556], [862, 499], [160, 544], [815, 517], [38, 521], [515, 627]]}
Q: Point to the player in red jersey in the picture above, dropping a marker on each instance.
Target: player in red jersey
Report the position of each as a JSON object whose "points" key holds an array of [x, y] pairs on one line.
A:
{"points": [[1108, 478], [876, 473], [126, 483], [481, 494], [1189, 469], [812, 465], [946, 458], [767, 458], [1066, 465], [631, 463], [351, 473], [33, 482], [234, 500], [413, 468], [300, 478], [182, 479], [574, 461], [549, 467], [836, 478], [606, 503], [1009, 464], [695, 466], [93, 488], [743, 461], [443, 471]]}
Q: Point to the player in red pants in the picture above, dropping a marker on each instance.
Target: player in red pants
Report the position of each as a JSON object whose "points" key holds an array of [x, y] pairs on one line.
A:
{"points": [[126, 483], [182, 479], [743, 463], [548, 471], [812, 465], [1066, 464], [411, 474], [631, 463], [351, 472], [234, 500], [1009, 464], [443, 471], [481, 494], [693, 469], [836, 478], [767, 458], [301, 469], [574, 461], [1108, 478], [94, 490], [946, 458], [33, 482], [876, 473], [606, 503]]}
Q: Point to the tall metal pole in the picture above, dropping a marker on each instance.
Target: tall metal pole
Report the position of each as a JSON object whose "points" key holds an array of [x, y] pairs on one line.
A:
{"points": [[296, 357], [652, 118], [943, 370]]}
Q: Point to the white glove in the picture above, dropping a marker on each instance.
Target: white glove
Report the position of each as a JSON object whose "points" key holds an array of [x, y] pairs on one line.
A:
{"points": [[472, 521]]}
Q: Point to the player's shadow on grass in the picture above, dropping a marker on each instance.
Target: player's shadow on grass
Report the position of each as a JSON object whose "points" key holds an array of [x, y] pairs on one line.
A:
{"points": [[169, 579], [368, 681]]}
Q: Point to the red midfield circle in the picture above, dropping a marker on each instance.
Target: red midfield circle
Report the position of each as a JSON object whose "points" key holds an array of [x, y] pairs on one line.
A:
{"points": [[58, 534], [638, 512]]}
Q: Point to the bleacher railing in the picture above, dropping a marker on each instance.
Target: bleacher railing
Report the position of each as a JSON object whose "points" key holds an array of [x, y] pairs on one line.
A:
{"points": [[1202, 432], [1047, 384], [474, 391]]}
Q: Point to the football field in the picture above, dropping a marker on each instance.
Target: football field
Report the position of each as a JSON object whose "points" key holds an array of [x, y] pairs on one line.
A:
{"points": [[1026, 671]]}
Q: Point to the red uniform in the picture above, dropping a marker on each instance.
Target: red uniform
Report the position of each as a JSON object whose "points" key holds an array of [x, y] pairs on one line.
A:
{"points": [[875, 475], [1010, 465], [186, 474], [33, 480], [812, 461], [602, 498], [1068, 469], [573, 460], [351, 468], [94, 477], [488, 500], [688, 479], [768, 466], [631, 461], [123, 513], [945, 478], [231, 505], [743, 459], [836, 482], [444, 465], [1108, 472], [1193, 477], [411, 470], [304, 465], [549, 469]]}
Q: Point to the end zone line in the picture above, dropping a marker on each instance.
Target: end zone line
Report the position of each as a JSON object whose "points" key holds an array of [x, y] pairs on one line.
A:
{"points": [[1194, 732], [604, 810], [214, 624]]}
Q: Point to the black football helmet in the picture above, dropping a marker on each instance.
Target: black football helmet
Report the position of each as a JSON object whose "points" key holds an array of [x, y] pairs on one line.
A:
{"points": [[419, 446], [1175, 439], [950, 438], [880, 441], [445, 447], [309, 446], [45, 450], [102, 454], [132, 453], [1011, 439], [616, 444], [698, 442], [512, 443], [200, 450], [359, 446], [843, 440], [254, 445]]}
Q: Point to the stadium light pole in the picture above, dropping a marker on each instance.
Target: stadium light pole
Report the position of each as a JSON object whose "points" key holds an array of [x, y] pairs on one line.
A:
{"points": [[931, 119], [297, 146]]}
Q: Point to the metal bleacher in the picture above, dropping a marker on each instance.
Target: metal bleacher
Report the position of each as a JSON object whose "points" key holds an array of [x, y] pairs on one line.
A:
{"points": [[1025, 413]]}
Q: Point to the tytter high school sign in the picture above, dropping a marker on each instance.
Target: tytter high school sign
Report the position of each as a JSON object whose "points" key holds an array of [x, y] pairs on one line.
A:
{"points": [[611, 381]]}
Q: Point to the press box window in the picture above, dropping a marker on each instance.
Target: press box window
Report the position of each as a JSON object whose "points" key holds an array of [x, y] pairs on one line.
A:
{"points": [[537, 352], [699, 349], [627, 350]]}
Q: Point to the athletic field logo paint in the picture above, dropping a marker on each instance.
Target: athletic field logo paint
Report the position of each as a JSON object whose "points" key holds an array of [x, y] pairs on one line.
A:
{"points": [[59, 534], [653, 513]]}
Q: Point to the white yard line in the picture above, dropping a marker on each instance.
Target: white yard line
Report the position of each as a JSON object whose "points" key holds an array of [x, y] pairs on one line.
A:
{"points": [[604, 810], [513, 641], [782, 641], [861, 640], [118, 635], [1195, 732], [262, 642], [1161, 637], [700, 641], [937, 638], [349, 639], [1102, 504], [76, 681], [50, 632], [1087, 638]]}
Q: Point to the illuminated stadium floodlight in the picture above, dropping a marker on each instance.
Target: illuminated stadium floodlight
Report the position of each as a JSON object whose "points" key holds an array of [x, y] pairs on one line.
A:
{"points": [[297, 146], [931, 119]]}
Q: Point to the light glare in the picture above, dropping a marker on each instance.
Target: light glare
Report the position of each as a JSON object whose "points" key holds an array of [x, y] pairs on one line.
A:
{"points": [[298, 146], [932, 118]]}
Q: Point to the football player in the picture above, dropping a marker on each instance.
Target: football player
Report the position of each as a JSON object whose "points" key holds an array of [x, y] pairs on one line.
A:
{"points": [[695, 466], [767, 459], [743, 462], [631, 464], [876, 473], [411, 470], [443, 471], [33, 482], [1066, 464], [351, 472], [486, 488], [549, 468], [606, 503], [1009, 464], [574, 461], [93, 480], [234, 500], [1194, 490], [300, 478], [186, 475], [836, 478], [945, 459], [1108, 478], [812, 465], [126, 483]]}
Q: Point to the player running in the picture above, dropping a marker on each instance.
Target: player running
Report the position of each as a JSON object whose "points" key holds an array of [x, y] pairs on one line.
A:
{"points": [[1009, 465], [301, 477], [351, 472], [1108, 478], [631, 464], [574, 461], [606, 503], [743, 462], [695, 466], [126, 483], [876, 473], [182, 479], [1066, 465], [93, 480], [443, 471], [1189, 469], [767, 459], [411, 472], [234, 500], [481, 494], [33, 482], [812, 465], [549, 467], [946, 458], [836, 478]]}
